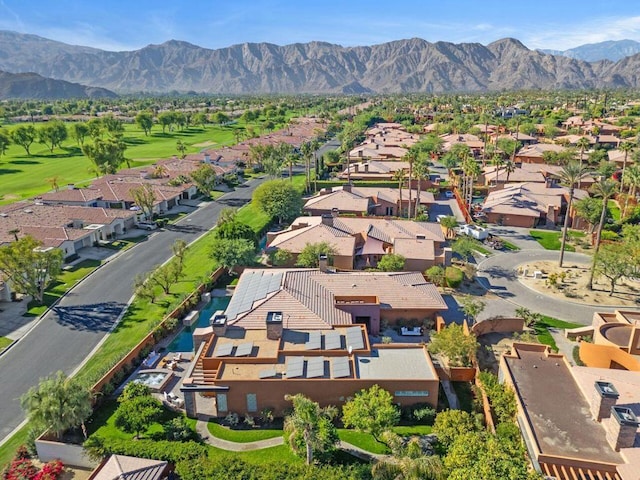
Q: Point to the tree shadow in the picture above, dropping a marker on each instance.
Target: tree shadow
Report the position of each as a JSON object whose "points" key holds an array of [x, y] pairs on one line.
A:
{"points": [[24, 162], [500, 272], [185, 228], [134, 141], [7, 171], [96, 317]]}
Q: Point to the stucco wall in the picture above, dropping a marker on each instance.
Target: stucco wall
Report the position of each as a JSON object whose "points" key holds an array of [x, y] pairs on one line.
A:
{"points": [[511, 220], [498, 325], [271, 394], [603, 356], [67, 453]]}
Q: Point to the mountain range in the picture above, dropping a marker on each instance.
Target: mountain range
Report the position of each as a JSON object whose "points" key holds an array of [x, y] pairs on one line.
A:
{"points": [[613, 50], [412, 65], [33, 86]]}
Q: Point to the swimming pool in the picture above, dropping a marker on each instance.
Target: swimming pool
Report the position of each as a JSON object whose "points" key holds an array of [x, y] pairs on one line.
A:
{"points": [[184, 341]]}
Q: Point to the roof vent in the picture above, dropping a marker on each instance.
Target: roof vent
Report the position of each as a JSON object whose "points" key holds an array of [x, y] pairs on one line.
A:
{"points": [[420, 237], [28, 210], [3, 214]]}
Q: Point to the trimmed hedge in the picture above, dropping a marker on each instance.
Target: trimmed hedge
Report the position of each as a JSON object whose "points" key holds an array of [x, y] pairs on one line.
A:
{"points": [[172, 452], [454, 276], [356, 183]]}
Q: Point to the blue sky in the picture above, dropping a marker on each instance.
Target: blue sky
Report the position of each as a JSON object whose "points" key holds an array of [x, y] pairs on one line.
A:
{"points": [[132, 24]]}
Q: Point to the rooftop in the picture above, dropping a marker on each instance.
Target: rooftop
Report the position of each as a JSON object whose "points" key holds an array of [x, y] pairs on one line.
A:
{"points": [[558, 413], [396, 364]]}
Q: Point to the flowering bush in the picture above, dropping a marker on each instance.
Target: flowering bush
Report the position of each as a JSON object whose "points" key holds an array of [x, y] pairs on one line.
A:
{"points": [[22, 468]]}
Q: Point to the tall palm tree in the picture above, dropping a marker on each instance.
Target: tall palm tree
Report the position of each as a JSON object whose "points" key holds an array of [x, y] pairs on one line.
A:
{"points": [[399, 177], [497, 162], [509, 168], [582, 144], [571, 174], [625, 147], [420, 172], [632, 179], [410, 156], [605, 188], [471, 171]]}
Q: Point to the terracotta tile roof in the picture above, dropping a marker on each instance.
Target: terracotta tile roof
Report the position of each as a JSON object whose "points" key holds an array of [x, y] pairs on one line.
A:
{"points": [[414, 248], [295, 240], [79, 195], [340, 199], [306, 297], [528, 199], [538, 149]]}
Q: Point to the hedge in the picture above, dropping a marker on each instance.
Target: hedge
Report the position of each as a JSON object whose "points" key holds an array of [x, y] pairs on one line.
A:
{"points": [[454, 276], [172, 452], [356, 183]]}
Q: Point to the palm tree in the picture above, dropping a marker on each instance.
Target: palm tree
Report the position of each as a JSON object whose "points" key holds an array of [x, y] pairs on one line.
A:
{"points": [[307, 421], [53, 181], [410, 157], [420, 172], [471, 171], [631, 178], [570, 174], [498, 162], [509, 168], [625, 147], [58, 403], [605, 189], [399, 177], [582, 144], [449, 223]]}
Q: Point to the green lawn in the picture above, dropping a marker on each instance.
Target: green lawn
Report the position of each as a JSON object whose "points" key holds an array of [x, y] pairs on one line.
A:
{"points": [[4, 343], [65, 282], [541, 329], [614, 209], [8, 449], [242, 436], [550, 240], [366, 441], [509, 245], [25, 176]]}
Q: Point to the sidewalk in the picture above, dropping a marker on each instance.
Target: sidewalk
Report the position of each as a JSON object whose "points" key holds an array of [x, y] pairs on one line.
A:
{"points": [[203, 431]]}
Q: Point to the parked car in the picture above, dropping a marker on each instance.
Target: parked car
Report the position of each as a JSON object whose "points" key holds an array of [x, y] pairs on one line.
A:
{"points": [[147, 225], [479, 233]]}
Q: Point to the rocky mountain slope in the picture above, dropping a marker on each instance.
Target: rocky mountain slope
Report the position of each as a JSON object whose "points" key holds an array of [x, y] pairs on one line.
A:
{"points": [[33, 86], [613, 50], [315, 67]]}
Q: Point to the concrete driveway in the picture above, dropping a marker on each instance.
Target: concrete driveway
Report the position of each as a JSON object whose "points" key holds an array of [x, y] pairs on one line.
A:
{"points": [[66, 335], [516, 235]]}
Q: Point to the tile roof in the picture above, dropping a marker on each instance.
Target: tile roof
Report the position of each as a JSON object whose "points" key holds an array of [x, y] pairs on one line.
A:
{"points": [[122, 467], [306, 297], [538, 149], [528, 199], [340, 199]]}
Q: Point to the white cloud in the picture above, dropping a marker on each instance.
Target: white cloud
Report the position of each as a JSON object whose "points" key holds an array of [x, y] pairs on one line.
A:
{"points": [[597, 30]]}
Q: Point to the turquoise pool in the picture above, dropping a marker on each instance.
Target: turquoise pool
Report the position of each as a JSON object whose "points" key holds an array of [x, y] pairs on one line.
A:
{"points": [[184, 341]]}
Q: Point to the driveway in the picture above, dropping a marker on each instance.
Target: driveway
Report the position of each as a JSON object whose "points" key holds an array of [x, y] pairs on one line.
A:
{"points": [[498, 274], [516, 235], [67, 334], [445, 206]]}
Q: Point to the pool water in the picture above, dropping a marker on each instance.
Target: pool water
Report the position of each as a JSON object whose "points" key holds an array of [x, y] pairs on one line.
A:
{"points": [[184, 341]]}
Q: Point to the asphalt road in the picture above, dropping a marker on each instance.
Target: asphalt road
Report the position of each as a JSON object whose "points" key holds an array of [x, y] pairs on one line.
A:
{"points": [[69, 332], [498, 274]]}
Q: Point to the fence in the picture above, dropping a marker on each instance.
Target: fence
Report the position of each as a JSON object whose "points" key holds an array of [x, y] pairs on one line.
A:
{"points": [[150, 339]]}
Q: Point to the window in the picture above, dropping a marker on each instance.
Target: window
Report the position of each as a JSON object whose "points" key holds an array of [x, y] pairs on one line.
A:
{"points": [[221, 402], [252, 402], [411, 393], [389, 211]]}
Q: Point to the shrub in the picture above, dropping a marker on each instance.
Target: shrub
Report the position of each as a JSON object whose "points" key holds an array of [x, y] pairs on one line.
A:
{"points": [[422, 413], [99, 447], [232, 419], [454, 276], [177, 430]]}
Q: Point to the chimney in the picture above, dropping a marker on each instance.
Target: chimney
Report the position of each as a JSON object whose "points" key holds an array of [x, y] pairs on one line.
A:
{"points": [[603, 398], [335, 212], [347, 187], [621, 428], [77, 223], [274, 325], [219, 324], [323, 263], [71, 186], [327, 219], [144, 174], [207, 158]]}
